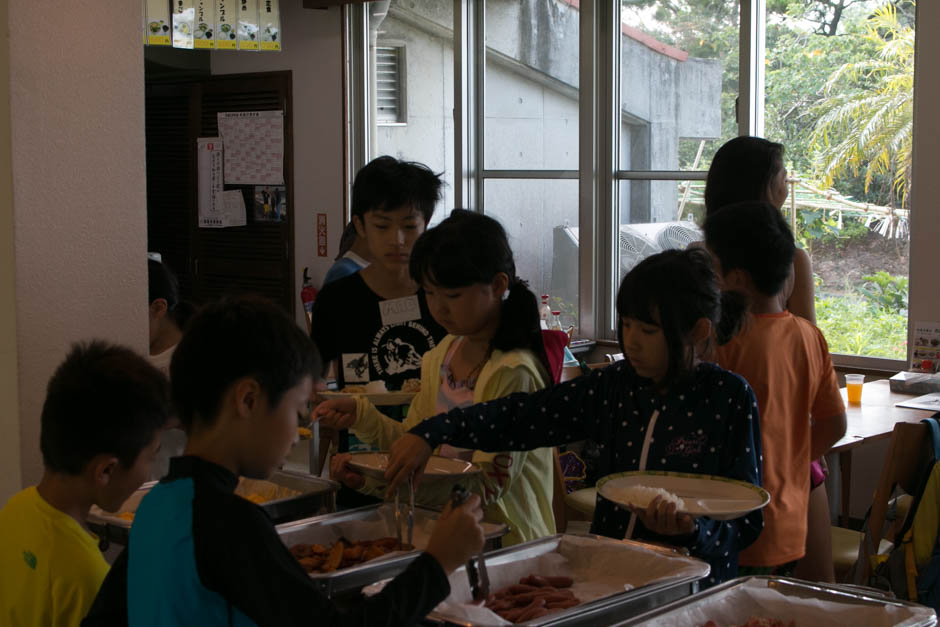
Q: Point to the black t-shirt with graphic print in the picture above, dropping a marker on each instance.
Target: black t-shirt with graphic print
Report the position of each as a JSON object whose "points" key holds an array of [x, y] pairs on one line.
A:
{"points": [[375, 339]]}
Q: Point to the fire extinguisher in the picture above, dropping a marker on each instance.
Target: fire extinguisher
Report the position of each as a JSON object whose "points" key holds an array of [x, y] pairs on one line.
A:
{"points": [[307, 295]]}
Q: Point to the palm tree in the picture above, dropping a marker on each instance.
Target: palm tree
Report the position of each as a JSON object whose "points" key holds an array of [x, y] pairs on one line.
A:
{"points": [[867, 116]]}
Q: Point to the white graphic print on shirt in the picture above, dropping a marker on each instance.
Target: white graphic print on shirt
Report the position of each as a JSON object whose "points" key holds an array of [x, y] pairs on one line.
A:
{"points": [[355, 367], [393, 348]]}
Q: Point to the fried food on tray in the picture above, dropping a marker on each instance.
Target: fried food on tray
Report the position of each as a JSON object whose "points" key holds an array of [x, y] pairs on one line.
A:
{"points": [[255, 498], [533, 597], [334, 559], [317, 558], [126, 516], [304, 433]]}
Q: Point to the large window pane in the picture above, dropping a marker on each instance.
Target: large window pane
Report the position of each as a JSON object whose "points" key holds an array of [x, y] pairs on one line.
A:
{"points": [[531, 89], [414, 80], [678, 82], [839, 92], [681, 208], [541, 218]]}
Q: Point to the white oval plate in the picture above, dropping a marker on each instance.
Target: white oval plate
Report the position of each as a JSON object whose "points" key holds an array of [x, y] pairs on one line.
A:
{"points": [[719, 498], [379, 399], [374, 465]]}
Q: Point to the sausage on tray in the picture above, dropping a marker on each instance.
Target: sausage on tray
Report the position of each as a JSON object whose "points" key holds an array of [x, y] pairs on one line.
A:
{"points": [[533, 597]]}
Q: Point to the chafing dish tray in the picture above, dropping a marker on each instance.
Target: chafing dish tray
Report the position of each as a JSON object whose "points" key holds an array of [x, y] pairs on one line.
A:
{"points": [[614, 579], [285, 496], [805, 603], [366, 523]]}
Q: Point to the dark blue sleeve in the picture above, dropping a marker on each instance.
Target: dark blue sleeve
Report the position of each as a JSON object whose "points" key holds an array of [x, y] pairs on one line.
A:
{"points": [[567, 412], [741, 459], [240, 555]]}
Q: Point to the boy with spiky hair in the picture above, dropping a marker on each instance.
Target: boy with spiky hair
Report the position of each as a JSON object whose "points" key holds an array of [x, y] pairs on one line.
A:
{"points": [[104, 407]]}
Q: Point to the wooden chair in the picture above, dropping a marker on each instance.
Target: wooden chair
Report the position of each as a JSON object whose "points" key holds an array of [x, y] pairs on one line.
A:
{"points": [[909, 455], [570, 372]]}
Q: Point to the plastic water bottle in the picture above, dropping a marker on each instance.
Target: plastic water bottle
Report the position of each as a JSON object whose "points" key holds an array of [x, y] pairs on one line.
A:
{"points": [[545, 312]]}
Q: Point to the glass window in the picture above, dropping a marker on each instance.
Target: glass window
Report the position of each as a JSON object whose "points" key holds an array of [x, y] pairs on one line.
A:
{"points": [[531, 93], [839, 93], [678, 83], [636, 240], [531, 123], [541, 218], [422, 34]]}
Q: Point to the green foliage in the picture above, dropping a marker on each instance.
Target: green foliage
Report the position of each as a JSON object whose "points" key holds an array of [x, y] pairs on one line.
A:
{"points": [[865, 121], [885, 291], [853, 327], [815, 226], [798, 65]]}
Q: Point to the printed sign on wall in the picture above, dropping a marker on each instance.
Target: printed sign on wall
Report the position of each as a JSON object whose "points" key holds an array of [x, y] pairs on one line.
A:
{"points": [[204, 36], [158, 23]]}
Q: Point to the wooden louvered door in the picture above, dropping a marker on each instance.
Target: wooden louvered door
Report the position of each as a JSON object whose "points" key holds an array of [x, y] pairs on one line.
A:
{"points": [[256, 258], [171, 177]]}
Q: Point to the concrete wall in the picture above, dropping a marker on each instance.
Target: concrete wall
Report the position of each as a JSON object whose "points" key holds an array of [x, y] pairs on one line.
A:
{"points": [[76, 90], [312, 50], [429, 135], [10, 471], [531, 120]]}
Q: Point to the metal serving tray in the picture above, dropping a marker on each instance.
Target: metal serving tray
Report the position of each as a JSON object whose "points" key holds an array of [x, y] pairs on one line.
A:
{"points": [[605, 610], [678, 613], [313, 496], [326, 529]]}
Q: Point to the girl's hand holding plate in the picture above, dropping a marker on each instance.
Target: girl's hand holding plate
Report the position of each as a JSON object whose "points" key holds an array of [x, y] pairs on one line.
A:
{"points": [[660, 517]]}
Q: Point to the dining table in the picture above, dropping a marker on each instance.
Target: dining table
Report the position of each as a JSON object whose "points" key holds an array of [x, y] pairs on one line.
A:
{"points": [[870, 420]]}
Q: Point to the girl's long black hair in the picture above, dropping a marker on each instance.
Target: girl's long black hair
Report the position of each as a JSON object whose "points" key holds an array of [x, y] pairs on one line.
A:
{"points": [[469, 248], [673, 290], [741, 170]]}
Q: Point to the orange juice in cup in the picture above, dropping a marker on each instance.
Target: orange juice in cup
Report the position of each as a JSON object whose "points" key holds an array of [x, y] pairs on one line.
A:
{"points": [[853, 387]]}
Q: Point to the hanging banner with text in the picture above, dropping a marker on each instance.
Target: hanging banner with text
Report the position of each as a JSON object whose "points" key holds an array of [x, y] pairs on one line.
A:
{"points": [[157, 22], [249, 25]]}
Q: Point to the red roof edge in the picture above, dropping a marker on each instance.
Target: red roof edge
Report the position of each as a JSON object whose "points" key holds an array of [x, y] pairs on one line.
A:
{"points": [[640, 37]]}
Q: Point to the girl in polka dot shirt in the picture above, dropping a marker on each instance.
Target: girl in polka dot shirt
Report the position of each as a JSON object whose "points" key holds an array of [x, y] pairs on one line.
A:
{"points": [[661, 408]]}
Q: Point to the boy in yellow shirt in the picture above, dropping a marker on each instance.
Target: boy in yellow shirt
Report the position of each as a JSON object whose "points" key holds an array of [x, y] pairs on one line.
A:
{"points": [[104, 407]]}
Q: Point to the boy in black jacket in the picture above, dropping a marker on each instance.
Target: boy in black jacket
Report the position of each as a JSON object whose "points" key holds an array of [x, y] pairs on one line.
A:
{"points": [[200, 555]]}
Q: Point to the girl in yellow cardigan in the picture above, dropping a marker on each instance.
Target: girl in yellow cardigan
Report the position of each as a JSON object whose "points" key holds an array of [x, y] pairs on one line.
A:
{"points": [[493, 348]]}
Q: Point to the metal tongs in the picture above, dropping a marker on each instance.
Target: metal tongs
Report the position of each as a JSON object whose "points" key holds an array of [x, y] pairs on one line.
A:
{"points": [[476, 573], [411, 514]]}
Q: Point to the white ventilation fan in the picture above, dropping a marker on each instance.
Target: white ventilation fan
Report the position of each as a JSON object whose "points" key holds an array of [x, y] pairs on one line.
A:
{"points": [[634, 248], [678, 235]]}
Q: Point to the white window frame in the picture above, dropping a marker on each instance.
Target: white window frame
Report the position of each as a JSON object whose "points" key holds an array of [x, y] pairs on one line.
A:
{"points": [[597, 172]]}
